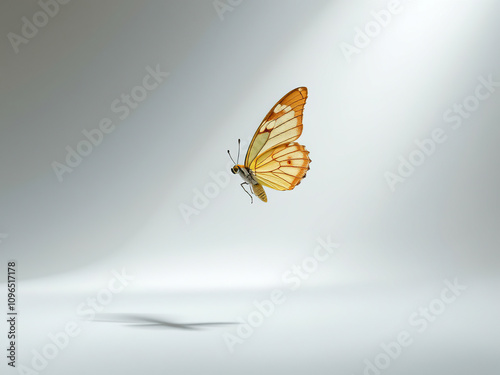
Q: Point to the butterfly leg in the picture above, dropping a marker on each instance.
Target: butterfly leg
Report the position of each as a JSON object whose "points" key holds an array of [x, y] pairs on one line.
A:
{"points": [[246, 183]]}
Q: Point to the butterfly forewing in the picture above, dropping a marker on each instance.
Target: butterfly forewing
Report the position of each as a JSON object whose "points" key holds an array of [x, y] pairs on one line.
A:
{"points": [[282, 125]]}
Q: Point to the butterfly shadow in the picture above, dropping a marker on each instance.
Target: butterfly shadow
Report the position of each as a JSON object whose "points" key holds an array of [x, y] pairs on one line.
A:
{"points": [[153, 322]]}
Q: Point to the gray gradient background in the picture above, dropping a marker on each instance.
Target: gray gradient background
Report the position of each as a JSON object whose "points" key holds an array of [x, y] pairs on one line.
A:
{"points": [[120, 207]]}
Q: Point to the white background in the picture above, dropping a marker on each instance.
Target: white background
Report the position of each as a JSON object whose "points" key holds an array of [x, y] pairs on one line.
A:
{"points": [[121, 206]]}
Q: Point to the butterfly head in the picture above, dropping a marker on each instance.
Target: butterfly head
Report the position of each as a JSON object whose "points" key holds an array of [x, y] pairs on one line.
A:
{"points": [[235, 169]]}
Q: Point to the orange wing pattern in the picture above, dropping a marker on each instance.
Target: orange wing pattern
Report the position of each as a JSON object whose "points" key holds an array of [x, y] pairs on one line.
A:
{"points": [[282, 125], [283, 167]]}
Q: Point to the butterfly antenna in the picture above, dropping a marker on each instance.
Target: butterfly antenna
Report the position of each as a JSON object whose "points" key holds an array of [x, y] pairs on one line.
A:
{"points": [[231, 157], [238, 158]]}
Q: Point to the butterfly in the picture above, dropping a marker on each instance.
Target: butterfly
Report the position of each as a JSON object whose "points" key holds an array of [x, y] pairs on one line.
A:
{"points": [[273, 158]]}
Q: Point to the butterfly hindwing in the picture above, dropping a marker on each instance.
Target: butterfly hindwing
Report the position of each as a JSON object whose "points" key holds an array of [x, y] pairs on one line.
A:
{"points": [[283, 167], [282, 125]]}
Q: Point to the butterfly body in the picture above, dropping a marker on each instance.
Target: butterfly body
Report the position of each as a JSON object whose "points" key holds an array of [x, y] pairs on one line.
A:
{"points": [[250, 179], [273, 158]]}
